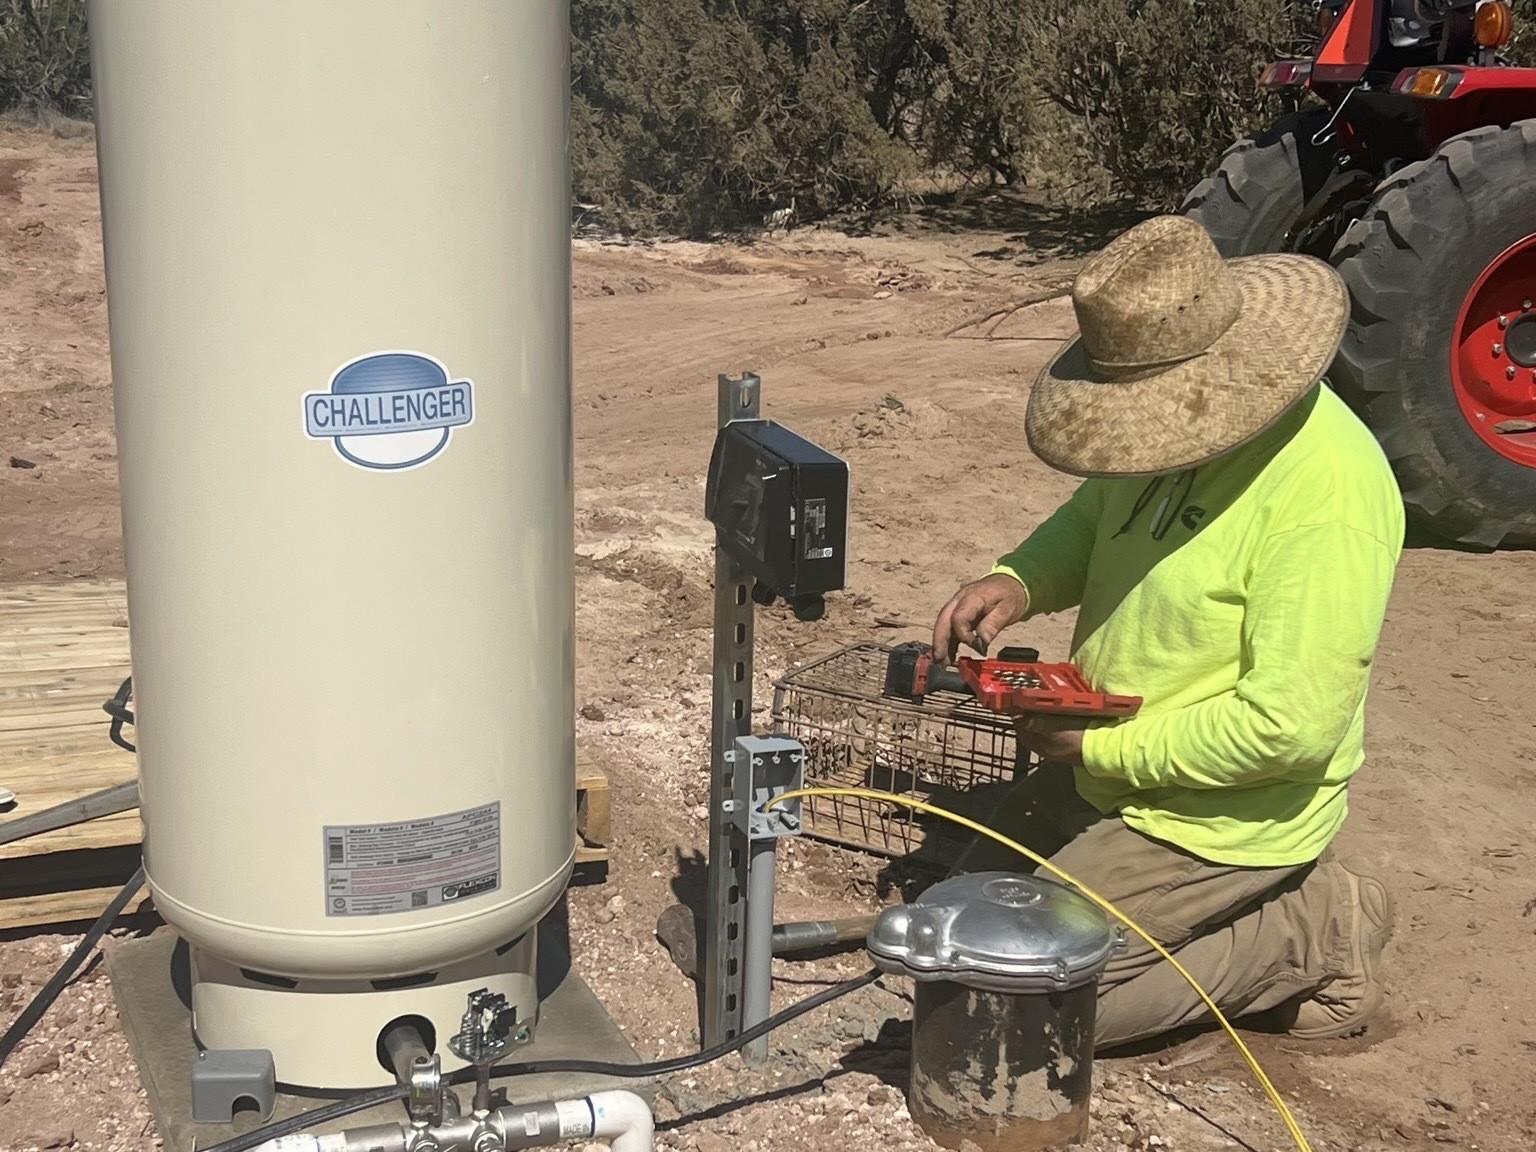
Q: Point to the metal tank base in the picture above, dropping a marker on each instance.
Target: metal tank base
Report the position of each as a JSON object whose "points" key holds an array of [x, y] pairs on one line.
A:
{"points": [[324, 1033], [151, 982]]}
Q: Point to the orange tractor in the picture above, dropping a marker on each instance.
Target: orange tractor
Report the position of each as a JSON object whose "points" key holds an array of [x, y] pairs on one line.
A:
{"points": [[1414, 173]]}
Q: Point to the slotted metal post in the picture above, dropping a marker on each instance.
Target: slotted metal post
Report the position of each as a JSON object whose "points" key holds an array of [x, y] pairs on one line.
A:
{"points": [[724, 934]]}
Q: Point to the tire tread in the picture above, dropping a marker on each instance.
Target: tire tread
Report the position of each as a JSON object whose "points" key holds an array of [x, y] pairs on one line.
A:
{"points": [[1379, 258]]}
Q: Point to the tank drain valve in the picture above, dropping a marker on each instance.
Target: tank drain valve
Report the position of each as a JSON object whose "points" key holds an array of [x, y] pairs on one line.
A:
{"points": [[489, 1030]]}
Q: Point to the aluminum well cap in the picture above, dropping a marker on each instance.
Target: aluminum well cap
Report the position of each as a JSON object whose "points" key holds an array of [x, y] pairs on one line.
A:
{"points": [[997, 931]]}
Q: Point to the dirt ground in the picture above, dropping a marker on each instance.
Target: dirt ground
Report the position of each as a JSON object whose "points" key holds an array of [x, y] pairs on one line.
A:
{"points": [[851, 334]]}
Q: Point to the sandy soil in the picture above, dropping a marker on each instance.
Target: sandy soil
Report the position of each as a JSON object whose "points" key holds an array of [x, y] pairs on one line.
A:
{"points": [[849, 334]]}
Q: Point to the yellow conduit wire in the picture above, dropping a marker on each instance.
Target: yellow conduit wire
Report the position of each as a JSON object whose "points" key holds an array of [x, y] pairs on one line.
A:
{"points": [[1270, 1090]]}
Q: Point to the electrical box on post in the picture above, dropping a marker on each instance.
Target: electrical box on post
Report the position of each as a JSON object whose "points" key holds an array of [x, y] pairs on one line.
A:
{"points": [[766, 768], [779, 504]]}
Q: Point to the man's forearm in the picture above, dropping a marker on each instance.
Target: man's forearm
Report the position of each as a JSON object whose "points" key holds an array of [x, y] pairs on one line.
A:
{"points": [[1221, 742], [1310, 631]]}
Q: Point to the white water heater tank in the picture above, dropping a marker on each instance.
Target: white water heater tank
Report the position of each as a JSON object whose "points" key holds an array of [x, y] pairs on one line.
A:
{"points": [[338, 262]]}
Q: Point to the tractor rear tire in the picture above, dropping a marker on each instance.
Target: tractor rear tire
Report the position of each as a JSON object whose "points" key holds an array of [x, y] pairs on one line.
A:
{"points": [[1433, 233], [1253, 200]]}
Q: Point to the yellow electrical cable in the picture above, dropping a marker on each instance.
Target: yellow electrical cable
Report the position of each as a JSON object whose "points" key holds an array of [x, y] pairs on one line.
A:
{"points": [[1270, 1090]]}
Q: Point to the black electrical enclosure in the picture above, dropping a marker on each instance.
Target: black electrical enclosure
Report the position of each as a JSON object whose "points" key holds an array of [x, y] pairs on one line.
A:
{"points": [[779, 504]]}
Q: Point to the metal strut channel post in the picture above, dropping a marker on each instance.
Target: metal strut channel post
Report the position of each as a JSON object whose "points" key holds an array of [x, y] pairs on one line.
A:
{"points": [[724, 935]]}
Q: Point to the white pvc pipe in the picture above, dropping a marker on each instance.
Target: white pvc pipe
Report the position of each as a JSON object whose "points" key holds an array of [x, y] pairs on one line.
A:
{"points": [[624, 1119], [304, 1142]]}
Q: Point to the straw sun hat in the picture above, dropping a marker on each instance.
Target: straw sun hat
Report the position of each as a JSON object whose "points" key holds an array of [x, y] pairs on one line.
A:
{"points": [[1182, 356]]}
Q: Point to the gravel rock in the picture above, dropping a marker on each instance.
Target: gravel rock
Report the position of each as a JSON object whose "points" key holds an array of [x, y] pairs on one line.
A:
{"points": [[48, 1063], [611, 910], [50, 1138]]}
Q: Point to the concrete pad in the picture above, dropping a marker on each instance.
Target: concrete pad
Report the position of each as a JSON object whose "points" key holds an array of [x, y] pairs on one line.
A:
{"points": [[150, 985]]}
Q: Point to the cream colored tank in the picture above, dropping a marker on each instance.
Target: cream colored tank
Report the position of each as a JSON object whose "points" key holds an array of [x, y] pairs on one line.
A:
{"points": [[337, 247]]}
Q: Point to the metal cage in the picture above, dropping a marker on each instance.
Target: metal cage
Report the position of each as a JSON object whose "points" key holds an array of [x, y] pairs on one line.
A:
{"points": [[948, 750]]}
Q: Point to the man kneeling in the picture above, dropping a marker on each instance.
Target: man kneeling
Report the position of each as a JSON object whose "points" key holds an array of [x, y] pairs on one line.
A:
{"points": [[1231, 552]]}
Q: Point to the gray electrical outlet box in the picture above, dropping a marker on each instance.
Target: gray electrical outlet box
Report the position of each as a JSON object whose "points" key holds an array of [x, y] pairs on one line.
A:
{"points": [[223, 1080], [767, 767]]}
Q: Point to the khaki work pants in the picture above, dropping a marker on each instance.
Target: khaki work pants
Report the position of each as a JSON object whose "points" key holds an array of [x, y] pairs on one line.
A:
{"points": [[1255, 938]]}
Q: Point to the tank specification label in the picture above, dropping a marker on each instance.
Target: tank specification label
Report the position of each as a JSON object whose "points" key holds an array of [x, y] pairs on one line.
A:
{"points": [[376, 869]]}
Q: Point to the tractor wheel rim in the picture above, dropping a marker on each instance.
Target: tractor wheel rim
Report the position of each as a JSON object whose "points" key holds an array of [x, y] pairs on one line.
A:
{"points": [[1493, 354]]}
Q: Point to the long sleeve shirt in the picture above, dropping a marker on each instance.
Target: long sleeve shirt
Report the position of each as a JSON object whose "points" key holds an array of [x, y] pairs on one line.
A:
{"points": [[1243, 602]]}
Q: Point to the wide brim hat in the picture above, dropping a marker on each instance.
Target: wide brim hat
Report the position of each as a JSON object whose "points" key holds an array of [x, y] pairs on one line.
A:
{"points": [[1182, 356]]}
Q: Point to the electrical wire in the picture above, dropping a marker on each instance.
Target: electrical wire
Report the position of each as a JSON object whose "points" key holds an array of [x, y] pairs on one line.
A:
{"points": [[353, 1104], [117, 708], [336, 1110], [33, 1012], [1291, 1126], [698, 1059]]}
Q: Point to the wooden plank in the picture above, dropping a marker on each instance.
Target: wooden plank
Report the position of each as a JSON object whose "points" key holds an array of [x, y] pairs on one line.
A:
{"points": [[63, 653], [585, 854], [120, 830], [22, 683], [91, 637], [64, 886], [23, 746], [69, 592], [98, 600], [594, 809], [41, 701], [594, 812], [31, 626], [54, 715], [84, 768], [11, 604], [63, 907]]}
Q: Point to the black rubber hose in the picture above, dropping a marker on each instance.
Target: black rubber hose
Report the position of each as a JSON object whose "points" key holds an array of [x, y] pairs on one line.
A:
{"points": [[684, 1063], [117, 708], [306, 1120], [40, 1004], [354, 1104]]}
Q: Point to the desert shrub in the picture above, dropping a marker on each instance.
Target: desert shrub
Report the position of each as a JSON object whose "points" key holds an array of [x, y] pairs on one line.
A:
{"points": [[1159, 88], [692, 114], [701, 113], [1522, 49], [45, 62], [980, 116]]}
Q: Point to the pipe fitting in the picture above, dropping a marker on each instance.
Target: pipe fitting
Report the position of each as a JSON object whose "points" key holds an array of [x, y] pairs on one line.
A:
{"points": [[622, 1118]]}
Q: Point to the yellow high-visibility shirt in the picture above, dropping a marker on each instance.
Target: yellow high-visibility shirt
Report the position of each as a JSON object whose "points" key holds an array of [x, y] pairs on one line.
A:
{"points": [[1242, 601]]}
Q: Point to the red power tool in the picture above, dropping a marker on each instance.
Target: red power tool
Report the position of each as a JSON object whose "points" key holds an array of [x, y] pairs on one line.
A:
{"points": [[1013, 681]]}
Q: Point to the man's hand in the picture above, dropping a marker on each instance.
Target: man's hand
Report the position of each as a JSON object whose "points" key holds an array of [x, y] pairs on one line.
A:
{"points": [[1054, 739], [977, 613]]}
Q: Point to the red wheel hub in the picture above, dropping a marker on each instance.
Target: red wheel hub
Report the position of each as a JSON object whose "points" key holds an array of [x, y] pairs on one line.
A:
{"points": [[1493, 354]]}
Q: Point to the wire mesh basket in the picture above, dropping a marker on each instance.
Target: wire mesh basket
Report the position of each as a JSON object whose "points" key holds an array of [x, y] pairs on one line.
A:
{"points": [[948, 750]]}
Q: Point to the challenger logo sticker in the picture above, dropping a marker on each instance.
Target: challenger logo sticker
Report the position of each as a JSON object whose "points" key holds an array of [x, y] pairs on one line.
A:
{"points": [[389, 410]]}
